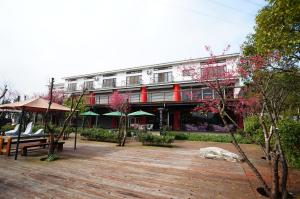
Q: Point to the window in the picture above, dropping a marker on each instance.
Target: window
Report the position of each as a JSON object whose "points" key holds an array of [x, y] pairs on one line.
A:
{"points": [[133, 72], [211, 72], [88, 85], [72, 86], [109, 83], [109, 75], [102, 99], [163, 77], [207, 93], [133, 80], [134, 98], [163, 68], [188, 72]]}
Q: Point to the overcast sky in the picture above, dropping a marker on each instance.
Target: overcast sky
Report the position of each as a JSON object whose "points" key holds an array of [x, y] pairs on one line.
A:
{"points": [[43, 39]]}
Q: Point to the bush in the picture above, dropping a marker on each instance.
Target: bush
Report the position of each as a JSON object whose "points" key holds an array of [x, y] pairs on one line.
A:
{"points": [[290, 139], [7, 127], [99, 135], [253, 128], [156, 140], [208, 137]]}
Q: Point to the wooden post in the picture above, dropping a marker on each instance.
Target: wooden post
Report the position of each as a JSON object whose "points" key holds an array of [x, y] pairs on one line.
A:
{"points": [[1, 144], [19, 135], [8, 146]]}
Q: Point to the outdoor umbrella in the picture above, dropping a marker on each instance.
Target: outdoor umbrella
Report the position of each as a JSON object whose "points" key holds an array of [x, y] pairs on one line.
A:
{"points": [[115, 114], [140, 113], [90, 113]]}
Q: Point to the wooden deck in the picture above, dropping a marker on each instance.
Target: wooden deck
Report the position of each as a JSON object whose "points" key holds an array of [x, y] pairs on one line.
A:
{"points": [[102, 170]]}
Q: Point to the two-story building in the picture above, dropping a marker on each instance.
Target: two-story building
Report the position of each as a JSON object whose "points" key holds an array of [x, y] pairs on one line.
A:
{"points": [[149, 87]]}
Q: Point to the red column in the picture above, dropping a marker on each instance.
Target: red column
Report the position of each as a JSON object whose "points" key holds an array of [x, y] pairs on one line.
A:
{"points": [[176, 123], [144, 94], [176, 93], [92, 98]]}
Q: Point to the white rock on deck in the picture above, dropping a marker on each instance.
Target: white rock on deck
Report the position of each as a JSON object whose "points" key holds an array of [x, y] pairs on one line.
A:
{"points": [[219, 153]]}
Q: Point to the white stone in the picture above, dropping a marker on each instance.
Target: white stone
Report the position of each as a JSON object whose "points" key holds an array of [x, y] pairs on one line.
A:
{"points": [[219, 153]]}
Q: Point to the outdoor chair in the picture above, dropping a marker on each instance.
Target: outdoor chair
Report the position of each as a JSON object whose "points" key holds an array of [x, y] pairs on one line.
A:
{"points": [[38, 132], [149, 127], [14, 131], [28, 130], [133, 135]]}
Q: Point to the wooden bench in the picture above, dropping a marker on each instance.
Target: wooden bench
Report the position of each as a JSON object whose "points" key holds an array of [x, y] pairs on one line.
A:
{"points": [[7, 141], [24, 148]]}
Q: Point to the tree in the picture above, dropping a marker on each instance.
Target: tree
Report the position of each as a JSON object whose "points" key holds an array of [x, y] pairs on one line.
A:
{"points": [[274, 81], [222, 80], [119, 102], [277, 29], [57, 96], [54, 140]]}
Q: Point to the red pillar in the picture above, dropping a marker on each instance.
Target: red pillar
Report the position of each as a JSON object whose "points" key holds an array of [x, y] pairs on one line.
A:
{"points": [[176, 93], [144, 94], [92, 98], [176, 124]]}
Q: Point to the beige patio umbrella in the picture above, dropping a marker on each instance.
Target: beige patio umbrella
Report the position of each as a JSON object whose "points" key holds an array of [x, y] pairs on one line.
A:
{"points": [[34, 105]]}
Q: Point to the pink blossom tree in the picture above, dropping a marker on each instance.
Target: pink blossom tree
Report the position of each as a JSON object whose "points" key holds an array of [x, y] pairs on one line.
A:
{"points": [[119, 102], [222, 80]]}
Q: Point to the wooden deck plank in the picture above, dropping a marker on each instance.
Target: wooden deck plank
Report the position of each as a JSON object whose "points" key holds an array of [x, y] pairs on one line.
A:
{"points": [[102, 170]]}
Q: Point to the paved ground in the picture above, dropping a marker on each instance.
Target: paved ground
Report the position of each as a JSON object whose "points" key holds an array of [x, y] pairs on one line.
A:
{"points": [[102, 170]]}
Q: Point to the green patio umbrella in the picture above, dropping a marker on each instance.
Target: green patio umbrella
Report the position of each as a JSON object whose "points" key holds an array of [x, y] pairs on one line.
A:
{"points": [[115, 114], [140, 113], [89, 113]]}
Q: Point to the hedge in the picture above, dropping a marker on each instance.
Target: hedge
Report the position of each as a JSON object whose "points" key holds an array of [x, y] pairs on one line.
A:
{"points": [[208, 137], [156, 140], [98, 134]]}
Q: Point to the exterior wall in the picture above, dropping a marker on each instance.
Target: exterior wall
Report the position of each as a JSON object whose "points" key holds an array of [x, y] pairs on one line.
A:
{"points": [[147, 74]]}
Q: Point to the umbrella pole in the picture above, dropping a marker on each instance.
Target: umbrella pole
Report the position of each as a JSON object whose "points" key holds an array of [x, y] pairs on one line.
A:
{"points": [[75, 142], [97, 121], [19, 134]]}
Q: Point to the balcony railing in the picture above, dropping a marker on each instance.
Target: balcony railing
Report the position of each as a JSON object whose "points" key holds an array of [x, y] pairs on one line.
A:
{"points": [[165, 96]]}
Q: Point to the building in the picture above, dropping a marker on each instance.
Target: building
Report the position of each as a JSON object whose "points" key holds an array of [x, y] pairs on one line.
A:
{"points": [[151, 87]]}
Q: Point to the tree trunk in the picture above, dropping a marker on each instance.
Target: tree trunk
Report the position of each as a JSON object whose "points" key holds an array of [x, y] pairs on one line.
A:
{"points": [[237, 146], [275, 176], [51, 144], [125, 132]]}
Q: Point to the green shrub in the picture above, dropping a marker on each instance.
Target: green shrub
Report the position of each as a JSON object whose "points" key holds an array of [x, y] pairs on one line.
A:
{"points": [[7, 127], [290, 139], [253, 128], [208, 137], [156, 140], [99, 135]]}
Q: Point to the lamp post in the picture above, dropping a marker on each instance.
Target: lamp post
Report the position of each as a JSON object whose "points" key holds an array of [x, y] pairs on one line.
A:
{"points": [[161, 121]]}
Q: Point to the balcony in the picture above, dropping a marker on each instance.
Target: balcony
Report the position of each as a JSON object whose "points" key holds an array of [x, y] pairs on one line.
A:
{"points": [[188, 95]]}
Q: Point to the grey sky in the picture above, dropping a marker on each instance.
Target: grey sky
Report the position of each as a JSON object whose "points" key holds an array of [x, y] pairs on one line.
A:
{"points": [[42, 39]]}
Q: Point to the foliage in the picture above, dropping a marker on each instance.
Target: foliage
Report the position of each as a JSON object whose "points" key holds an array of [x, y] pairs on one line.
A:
{"points": [[97, 134], [7, 127], [57, 96], [278, 28], [225, 138], [81, 106], [156, 140], [56, 129], [252, 127], [52, 157], [290, 137]]}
